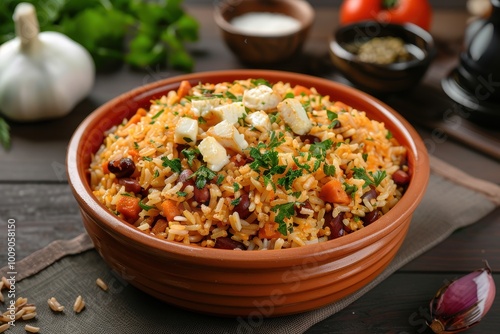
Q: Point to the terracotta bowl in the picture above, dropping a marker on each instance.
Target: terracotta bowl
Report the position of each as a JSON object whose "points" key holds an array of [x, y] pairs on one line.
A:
{"points": [[236, 283], [263, 49], [382, 79]]}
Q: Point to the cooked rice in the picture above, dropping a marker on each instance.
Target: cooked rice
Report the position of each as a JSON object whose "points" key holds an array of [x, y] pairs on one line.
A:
{"points": [[355, 143], [100, 283], [79, 304]]}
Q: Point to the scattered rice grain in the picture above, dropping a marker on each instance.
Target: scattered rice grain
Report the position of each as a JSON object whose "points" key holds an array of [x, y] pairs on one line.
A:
{"points": [[32, 329]]}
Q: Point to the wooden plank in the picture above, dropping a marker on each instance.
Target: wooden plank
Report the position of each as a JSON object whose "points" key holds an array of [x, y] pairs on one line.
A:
{"points": [[400, 304]]}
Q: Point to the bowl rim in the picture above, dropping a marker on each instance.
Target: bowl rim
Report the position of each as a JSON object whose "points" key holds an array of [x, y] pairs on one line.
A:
{"points": [[339, 51], [305, 8], [126, 233]]}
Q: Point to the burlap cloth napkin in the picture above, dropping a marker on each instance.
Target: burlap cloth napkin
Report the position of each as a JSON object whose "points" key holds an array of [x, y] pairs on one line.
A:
{"points": [[66, 269]]}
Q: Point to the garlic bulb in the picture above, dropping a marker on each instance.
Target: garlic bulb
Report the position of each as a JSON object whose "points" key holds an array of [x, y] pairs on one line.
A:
{"points": [[42, 75], [462, 303]]}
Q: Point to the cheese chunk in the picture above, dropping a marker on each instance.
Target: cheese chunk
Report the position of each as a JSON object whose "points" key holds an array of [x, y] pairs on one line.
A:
{"points": [[214, 154], [200, 107], [186, 131], [230, 112], [261, 98], [259, 120], [228, 136], [294, 114]]}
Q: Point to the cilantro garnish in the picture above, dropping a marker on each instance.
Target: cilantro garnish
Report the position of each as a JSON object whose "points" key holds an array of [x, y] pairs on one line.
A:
{"points": [[273, 117], [145, 207], [236, 201], [284, 211], [329, 170], [318, 150], [267, 161], [190, 154], [276, 141], [203, 175], [174, 164], [350, 189], [360, 173], [290, 176], [220, 178], [258, 82], [181, 193], [332, 117], [378, 176]]}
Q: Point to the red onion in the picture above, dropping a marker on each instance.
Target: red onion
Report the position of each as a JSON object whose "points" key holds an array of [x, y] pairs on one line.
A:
{"points": [[462, 303]]}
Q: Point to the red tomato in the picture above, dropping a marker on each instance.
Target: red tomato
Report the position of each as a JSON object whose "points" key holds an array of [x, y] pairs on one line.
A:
{"points": [[418, 12]]}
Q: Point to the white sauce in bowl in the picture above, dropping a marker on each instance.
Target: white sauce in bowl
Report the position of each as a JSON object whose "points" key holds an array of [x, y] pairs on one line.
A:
{"points": [[266, 24]]}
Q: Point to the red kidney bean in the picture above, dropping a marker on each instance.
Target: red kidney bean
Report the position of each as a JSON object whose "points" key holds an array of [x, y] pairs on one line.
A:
{"points": [[370, 194], [299, 207], [131, 185], [202, 195], [370, 217], [243, 205], [400, 177], [184, 177], [228, 243], [309, 139], [336, 225], [241, 161], [122, 168]]}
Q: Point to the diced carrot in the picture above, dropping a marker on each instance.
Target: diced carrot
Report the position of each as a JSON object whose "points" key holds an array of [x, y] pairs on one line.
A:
{"points": [[159, 226], [104, 166], [332, 192], [183, 89], [170, 209], [342, 105], [269, 231], [134, 154], [299, 90], [137, 117], [129, 207]]}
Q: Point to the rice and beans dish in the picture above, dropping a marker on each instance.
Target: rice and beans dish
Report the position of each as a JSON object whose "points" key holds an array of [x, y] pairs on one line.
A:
{"points": [[249, 165]]}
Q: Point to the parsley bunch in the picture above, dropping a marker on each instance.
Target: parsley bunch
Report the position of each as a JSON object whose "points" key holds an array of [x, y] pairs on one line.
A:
{"points": [[140, 33]]}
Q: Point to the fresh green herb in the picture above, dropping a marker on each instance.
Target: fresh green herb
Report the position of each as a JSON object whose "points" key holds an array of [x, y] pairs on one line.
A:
{"points": [[241, 120], [318, 150], [275, 141], [136, 145], [290, 176], [333, 118], [388, 135], [4, 133], [283, 211], [236, 187], [147, 158], [356, 219], [365, 156], [296, 194], [187, 139], [146, 207], [289, 95], [378, 176], [273, 117], [350, 189], [201, 120], [181, 193], [174, 164], [305, 166], [233, 97], [190, 154], [203, 175], [220, 178], [268, 161], [329, 170], [360, 173], [157, 173], [152, 33], [158, 114], [258, 82], [236, 201], [127, 194]]}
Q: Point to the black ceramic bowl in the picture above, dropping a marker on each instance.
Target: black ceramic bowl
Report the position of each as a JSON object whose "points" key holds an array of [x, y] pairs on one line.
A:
{"points": [[376, 78]]}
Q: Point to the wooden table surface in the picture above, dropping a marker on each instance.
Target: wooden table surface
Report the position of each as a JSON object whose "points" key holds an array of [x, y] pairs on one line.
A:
{"points": [[34, 188]]}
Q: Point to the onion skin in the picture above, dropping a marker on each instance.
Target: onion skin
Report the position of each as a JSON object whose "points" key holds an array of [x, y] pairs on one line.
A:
{"points": [[462, 303]]}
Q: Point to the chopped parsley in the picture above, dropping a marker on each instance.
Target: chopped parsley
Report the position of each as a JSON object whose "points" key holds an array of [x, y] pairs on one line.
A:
{"points": [[220, 178], [290, 176], [236, 187], [233, 97], [187, 139], [236, 201], [203, 175], [350, 189], [273, 117], [146, 207], [365, 156], [284, 211], [136, 145], [378, 176], [181, 193], [258, 82], [289, 95], [333, 118], [201, 120], [190, 154], [360, 173], [147, 158], [388, 135], [174, 164], [268, 161], [329, 170], [157, 173]]}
